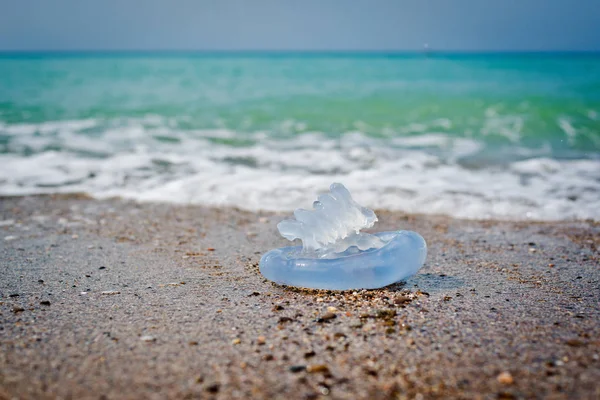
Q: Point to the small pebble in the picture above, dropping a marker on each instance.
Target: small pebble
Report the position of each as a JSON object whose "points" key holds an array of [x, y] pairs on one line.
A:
{"points": [[17, 309], [110, 292], [297, 368], [9, 238], [402, 300], [575, 343], [324, 390], [386, 313], [356, 324], [505, 378], [236, 341], [213, 388], [261, 340], [45, 302], [317, 368], [328, 316], [148, 338]]}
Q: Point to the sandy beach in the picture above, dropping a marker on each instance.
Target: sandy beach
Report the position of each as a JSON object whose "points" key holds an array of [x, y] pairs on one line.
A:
{"points": [[116, 299]]}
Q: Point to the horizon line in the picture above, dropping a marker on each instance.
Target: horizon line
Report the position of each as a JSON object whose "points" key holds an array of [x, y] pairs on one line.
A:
{"points": [[428, 51]]}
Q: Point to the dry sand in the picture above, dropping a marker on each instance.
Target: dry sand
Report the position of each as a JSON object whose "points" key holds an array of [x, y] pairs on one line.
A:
{"points": [[113, 299]]}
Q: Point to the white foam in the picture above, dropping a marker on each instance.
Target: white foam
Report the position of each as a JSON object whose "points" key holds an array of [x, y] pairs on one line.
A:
{"points": [[420, 174], [509, 126]]}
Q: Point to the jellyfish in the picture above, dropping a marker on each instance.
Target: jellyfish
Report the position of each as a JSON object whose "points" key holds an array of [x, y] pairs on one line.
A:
{"points": [[335, 254]]}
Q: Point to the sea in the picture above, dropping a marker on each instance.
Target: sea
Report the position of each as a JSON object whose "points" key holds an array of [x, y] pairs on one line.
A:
{"points": [[479, 136]]}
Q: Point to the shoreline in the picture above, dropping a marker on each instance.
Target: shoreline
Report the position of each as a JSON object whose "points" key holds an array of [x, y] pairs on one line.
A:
{"points": [[117, 298], [77, 195]]}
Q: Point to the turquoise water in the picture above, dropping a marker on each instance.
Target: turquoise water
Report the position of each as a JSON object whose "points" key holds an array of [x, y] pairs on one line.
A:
{"points": [[257, 111]]}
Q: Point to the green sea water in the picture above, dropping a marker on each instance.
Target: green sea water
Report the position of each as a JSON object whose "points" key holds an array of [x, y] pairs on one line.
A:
{"points": [[466, 110], [530, 99]]}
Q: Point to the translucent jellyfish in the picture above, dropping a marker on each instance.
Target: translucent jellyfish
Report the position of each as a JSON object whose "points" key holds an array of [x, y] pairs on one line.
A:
{"points": [[335, 254]]}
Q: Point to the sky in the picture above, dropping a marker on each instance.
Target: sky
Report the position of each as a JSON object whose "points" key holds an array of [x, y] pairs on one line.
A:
{"points": [[375, 25]]}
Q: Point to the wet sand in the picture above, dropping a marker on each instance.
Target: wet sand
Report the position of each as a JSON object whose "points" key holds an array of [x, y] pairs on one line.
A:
{"points": [[115, 299]]}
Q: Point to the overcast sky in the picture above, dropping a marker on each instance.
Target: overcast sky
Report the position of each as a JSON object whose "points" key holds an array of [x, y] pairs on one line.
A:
{"points": [[299, 25]]}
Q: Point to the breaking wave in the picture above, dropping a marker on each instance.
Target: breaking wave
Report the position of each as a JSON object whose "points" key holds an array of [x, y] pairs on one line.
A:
{"points": [[150, 160]]}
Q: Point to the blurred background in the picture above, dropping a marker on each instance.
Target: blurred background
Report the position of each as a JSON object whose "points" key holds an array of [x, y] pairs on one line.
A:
{"points": [[467, 108]]}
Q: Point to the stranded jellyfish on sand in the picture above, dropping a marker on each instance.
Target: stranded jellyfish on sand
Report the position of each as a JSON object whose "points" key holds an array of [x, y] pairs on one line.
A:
{"points": [[335, 254]]}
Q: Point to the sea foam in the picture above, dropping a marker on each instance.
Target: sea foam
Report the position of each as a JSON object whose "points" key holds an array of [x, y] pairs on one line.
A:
{"points": [[146, 160]]}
